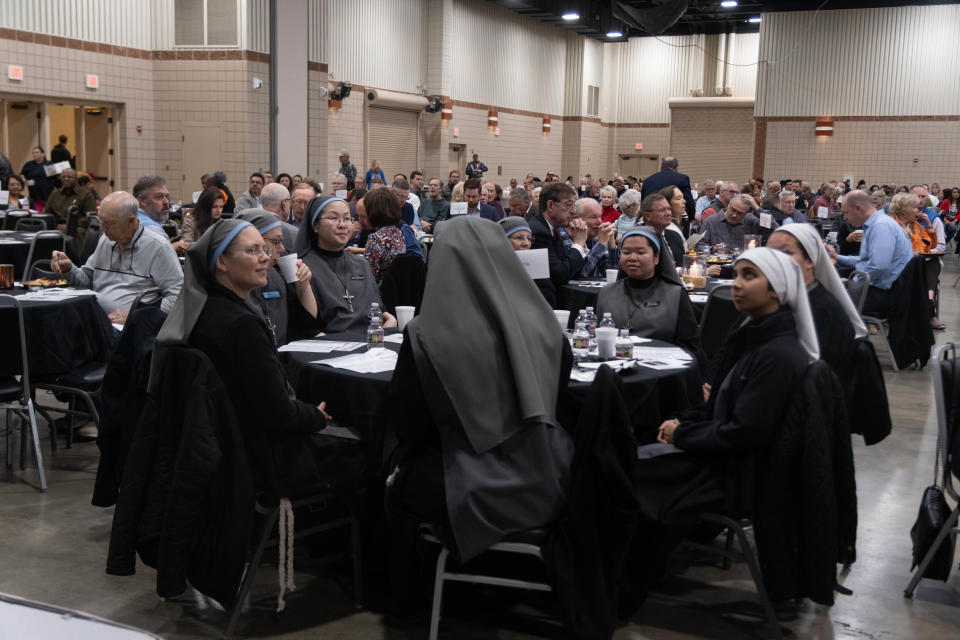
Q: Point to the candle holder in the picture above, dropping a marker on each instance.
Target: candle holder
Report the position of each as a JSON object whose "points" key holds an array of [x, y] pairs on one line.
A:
{"points": [[695, 271], [751, 241]]}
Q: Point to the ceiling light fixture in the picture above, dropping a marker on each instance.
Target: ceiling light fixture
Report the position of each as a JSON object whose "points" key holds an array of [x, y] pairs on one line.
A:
{"points": [[755, 19], [728, 3], [614, 34], [570, 17]]}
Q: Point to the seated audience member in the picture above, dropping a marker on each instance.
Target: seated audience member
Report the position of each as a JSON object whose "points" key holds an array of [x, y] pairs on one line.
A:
{"points": [[927, 236], [250, 199], [17, 198], [457, 194], [219, 179], [479, 465], [272, 301], [905, 208], [725, 193], [471, 195], [488, 196], [709, 193], [827, 198], [401, 190], [518, 232], [434, 208], [521, 204], [786, 210], [285, 180], [556, 212], [85, 180], [153, 201], [736, 221], [629, 204], [453, 179], [651, 301], [386, 242], [884, 250], [678, 209], [223, 267], [299, 199], [276, 199], [338, 183], [208, 210], [593, 191], [948, 213], [834, 316], [342, 282], [70, 194], [762, 364], [128, 260], [608, 196], [658, 213], [602, 252]]}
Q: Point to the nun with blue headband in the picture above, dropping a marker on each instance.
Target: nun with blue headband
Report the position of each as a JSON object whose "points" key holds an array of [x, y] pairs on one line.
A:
{"points": [[650, 301], [282, 305], [211, 314], [343, 283]]}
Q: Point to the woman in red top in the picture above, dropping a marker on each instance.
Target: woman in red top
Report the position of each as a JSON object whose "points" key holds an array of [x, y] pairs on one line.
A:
{"points": [[948, 212], [608, 213]]}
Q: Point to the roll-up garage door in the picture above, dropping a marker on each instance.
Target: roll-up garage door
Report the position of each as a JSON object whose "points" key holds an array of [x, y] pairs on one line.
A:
{"points": [[392, 139]]}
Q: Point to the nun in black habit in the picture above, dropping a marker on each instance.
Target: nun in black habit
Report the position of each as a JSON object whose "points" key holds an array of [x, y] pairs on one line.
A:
{"points": [[343, 283], [223, 267], [280, 304], [651, 301], [484, 456]]}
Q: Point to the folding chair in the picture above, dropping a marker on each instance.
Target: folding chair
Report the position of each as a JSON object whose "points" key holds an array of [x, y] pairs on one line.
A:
{"points": [[945, 370], [42, 247], [90, 241], [858, 283], [49, 220], [30, 224], [11, 219], [16, 397], [719, 315], [527, 543]]}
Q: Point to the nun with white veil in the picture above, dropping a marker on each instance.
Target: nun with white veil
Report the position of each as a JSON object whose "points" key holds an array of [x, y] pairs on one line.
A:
{"points": [[836, 320]]}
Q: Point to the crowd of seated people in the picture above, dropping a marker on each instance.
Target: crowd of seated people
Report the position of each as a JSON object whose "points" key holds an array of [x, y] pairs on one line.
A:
{"points": [[230, 301]]}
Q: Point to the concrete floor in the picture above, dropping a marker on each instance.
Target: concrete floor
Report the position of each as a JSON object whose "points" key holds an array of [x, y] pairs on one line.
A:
{"points": [[53, 549]]}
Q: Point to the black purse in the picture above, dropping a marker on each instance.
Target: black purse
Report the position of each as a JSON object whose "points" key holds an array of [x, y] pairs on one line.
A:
{"points": [[933, 515]]}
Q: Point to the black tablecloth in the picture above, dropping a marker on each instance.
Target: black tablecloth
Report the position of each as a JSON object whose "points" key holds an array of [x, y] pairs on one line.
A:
{"points": [[61, 335], [353, 399], [574, 297], [15, 245]]}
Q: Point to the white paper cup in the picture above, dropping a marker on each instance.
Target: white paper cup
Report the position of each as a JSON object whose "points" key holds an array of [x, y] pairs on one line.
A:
{"points": [[612, 275], [563, 317], [606, 342], [404, 315], [288, 267]]}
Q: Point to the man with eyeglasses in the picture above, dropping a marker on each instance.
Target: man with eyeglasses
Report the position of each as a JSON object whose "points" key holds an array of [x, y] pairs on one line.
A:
{"points": [[302, 194], [736, 221], [557, 201], [250, 199], [127, 261], [725, 193]]}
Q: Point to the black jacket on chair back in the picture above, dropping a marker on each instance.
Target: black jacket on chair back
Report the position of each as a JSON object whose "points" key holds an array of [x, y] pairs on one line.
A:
{"points": [[186, 501]]}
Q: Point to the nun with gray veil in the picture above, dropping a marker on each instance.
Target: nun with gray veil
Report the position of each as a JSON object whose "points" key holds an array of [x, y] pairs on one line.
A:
{"points": [[223, 267], [480, 453]]}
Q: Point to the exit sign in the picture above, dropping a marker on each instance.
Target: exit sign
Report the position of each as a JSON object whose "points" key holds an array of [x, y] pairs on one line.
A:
{"points": [[14, 72], [93, 82], [638, 146]]}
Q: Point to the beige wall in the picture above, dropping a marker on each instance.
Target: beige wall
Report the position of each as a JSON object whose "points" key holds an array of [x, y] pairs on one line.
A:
{"points": [[713, 142]]}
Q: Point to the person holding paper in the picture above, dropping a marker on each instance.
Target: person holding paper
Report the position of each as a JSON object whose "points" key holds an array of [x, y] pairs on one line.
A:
{"points": [[286, 454], [651, 301], [556, 211], [343, 283], [279, 309], [35, 171]]}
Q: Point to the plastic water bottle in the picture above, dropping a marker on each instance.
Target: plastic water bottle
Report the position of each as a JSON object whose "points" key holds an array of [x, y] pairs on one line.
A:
{"points": [[624, 345], [607, 321], [375, 333], [375, 311], [591, 322], [582, 319], [581, 340]]}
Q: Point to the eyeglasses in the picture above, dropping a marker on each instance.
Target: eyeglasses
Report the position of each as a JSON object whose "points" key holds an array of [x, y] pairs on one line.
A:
{"points": [[301, 203], [337, 220], [255, 251]]}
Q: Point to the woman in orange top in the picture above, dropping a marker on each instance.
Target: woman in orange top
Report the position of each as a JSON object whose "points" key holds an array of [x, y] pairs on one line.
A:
{"points": [[904, 208]]}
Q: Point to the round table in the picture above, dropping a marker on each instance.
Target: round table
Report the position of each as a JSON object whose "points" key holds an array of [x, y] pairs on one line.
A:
{"points": [[61, 334], [14, 247], [578, 294], [354, 399]]}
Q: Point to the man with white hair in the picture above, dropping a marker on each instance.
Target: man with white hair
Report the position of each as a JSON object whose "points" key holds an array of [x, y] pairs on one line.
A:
{"points": [[709, 193], [725, 193], [275, 199], [601, 240], [338, 183], [786, 211], [128, 260]]}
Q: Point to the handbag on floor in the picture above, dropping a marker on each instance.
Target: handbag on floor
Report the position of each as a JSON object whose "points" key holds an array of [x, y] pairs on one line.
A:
{"points": [[934, 512]]}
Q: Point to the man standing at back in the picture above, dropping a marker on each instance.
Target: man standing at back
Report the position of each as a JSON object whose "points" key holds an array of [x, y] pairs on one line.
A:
{"points": [[670, 176], [556, 211], [347, 169]]}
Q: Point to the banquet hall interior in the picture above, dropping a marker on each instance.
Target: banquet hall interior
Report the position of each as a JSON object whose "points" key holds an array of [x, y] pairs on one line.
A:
{"points": [[190, 120]]}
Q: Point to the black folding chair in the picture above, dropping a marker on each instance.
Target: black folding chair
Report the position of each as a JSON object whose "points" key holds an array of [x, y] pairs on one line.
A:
{"points": [[16, 396], [858, 283], [48, 219], [945, 372], [719, 315], [31, 224], [42, 247], [12, 217], [73, 220], [404, 280], [90, 241], [40, 269]]}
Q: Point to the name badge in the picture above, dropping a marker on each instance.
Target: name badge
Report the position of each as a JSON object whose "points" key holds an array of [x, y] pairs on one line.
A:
{"points": [[357, 277], [651, 303], [271, 294]]}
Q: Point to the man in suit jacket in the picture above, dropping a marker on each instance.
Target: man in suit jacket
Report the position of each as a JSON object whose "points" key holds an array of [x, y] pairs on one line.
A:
{"points": [[557, 201], [669, 176], [471, 195], [521, 204]]}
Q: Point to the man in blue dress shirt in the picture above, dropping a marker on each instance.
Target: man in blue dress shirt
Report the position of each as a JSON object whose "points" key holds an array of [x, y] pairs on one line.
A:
{"points": [[153, 203]]}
